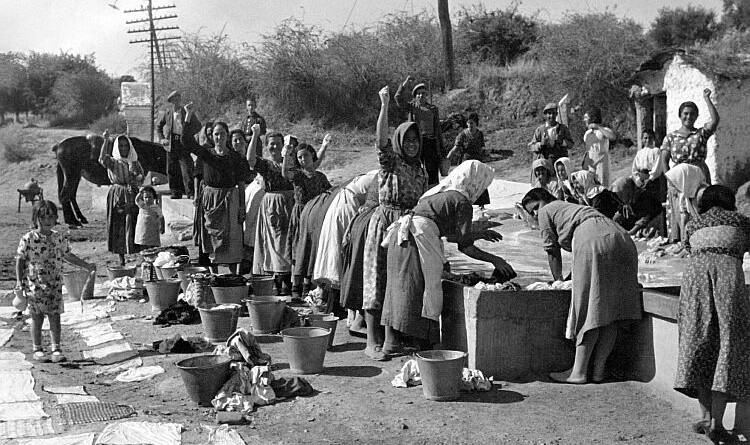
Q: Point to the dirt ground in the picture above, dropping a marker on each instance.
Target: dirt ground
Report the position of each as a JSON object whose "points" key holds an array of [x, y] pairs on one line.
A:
{"points": [[354, 401]]}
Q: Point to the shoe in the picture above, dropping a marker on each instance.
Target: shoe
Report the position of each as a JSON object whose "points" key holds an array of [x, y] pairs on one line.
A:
{"points": [[701, 426], [398, 350], [40, 356], [377, 354], [57, 356]]}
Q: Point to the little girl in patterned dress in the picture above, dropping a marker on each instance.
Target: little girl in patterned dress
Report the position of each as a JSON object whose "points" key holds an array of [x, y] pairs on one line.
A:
{"points": [[39, 260]]}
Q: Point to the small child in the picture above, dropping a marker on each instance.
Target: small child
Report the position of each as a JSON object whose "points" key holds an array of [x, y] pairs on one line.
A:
{"points": [[150, 219], [39, 260]]}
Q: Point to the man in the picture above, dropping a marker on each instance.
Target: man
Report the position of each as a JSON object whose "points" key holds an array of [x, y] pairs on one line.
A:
{"points": [[254, 118], [179, 161], [552, 139], [427, 116]]}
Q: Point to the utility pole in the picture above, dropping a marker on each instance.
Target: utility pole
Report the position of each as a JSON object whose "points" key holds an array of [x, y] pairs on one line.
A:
{"points": [[153, 42], [447, 34]]}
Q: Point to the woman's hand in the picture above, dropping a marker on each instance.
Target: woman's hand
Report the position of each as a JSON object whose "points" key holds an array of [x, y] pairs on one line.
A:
{"points": [[490, 235], [189, 107], [503, 268], [707, 94], [256, 128], [385, 95], [286, 150], [105, 135], [327, 139]]}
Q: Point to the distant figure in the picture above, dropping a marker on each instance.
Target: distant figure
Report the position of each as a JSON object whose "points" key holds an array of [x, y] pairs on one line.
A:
{"points": [[179, 162], [427, 117], [254, 118], [552, 139], [470, 146], [596, 141]]}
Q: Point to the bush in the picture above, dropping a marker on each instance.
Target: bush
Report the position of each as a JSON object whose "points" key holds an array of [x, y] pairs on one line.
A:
{"points": [[11, 144], [81, 97], [680, 27], [114, 122]]}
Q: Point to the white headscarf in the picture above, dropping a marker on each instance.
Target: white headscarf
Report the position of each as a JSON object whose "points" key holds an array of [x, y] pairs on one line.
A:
{"points": [[132, 156], [688, 179], [471, 179], [589, 183]]}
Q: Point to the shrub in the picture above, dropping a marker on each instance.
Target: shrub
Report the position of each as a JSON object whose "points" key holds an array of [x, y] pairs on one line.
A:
{"points": [[680, 27], [81, 97], [11, 144], [114, 122]]}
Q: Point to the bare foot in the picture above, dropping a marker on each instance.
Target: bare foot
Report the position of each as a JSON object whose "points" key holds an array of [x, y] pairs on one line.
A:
{"points": [[376, 353], [566, 377]]}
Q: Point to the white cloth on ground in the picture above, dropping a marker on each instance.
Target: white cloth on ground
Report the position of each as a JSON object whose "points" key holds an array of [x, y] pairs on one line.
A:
{"points": [[75, 439], [5, 335], [223, 435], [408, 375], [65, 390], [74, 398], [21, 411], [128, 433], [18, 386], [140, 373]]}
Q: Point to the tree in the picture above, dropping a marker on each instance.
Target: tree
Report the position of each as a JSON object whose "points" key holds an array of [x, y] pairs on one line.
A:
{"points": [[81, 97], [446, 32], [736, 14], [680, 27], [497, 36], [45, 68], [14, 87]]}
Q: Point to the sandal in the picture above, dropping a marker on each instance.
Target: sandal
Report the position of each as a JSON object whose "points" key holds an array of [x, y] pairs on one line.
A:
{"points": [[377, 354], [40, 356], [57, 356]]}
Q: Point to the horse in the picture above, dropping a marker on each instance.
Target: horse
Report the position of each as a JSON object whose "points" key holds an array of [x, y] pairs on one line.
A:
{"points": [[78, 157]]}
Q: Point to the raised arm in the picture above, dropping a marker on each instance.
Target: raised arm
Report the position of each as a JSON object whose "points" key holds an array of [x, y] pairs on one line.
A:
{"points": [[606, 131], [189, 130], [287, 167], [251, 155], [322, 151], [105, 154], [401, 101], [713, 122], [382, 125]]}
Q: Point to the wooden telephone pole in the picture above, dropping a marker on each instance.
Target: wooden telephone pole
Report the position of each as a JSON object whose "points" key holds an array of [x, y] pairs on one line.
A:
{"points": [[447, 35], [153, 40]]}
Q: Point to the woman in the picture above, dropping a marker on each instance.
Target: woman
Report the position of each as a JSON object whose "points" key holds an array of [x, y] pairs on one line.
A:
{"points": [[605, 278], [239, 144], [414, 296], [596, 141], [470, 145], [126, 175], [592, 194], [224, 177], [206, 139], [544, 177], [271, 254], [402, 179], [638, 209], [563, 170], [686, 182], [714, 313]]}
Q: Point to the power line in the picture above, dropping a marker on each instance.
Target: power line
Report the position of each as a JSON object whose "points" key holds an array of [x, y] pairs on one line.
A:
{"points": [[350, 15]]}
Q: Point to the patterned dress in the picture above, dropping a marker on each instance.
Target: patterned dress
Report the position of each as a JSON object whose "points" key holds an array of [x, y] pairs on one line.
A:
{"points": [[42, 279], [714, 311], [400, 186], [691, 148]]}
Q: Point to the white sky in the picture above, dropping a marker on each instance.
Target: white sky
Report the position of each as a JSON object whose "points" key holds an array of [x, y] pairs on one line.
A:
{"points": [[90, 26]]}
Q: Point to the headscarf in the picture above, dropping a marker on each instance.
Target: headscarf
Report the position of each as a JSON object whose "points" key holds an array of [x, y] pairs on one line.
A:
{"points": [[625, 189], [471, 179], [568, 164], [541, 162], [132, 156], [588, 182], [688, 179], [397, 142]]}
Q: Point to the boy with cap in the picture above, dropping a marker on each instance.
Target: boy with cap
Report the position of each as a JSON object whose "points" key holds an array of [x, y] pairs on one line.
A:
{"points": [[551, 139], [179, 161], [427, 117]]}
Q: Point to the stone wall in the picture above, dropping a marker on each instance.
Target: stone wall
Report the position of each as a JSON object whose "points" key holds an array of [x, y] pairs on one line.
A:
{"points": [[135, 105]]}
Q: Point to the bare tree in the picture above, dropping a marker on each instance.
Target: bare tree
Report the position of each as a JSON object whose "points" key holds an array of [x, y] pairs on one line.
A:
{"points": [[447, 34]]}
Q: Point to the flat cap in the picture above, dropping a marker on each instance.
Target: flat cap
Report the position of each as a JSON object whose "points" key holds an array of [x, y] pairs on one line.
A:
{"points": [[549, 106], [171, 95]]}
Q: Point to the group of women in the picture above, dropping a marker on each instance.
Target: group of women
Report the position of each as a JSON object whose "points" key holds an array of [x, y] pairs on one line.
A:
{"points": [[377, 239]]}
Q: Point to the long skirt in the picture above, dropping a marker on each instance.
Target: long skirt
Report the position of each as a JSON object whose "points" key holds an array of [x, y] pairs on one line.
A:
{"points": [[605, 278], [308, 234], [254, 194], [293, 236], [714, 328], [198, 219], [375, 258], [271, 252], [352, 259], [122, 214], [402, 308], [221, 231], [328, 259]]}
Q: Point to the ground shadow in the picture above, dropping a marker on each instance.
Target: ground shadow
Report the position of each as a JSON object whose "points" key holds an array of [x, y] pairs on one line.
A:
{"points": [[494, 395], [359, 346], [498, 155], [268, 338], [352, 371]]}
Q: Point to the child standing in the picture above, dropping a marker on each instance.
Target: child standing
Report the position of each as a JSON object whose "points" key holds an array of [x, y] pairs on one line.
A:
{"points": [[470, 146], [39, 259], [150, 219]]}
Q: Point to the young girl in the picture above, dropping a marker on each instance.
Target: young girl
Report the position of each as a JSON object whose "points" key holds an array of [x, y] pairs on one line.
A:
{"points": [[39, 259], [596, 139], [126, 174], [470, 146], [299, 167], [150, 219]]}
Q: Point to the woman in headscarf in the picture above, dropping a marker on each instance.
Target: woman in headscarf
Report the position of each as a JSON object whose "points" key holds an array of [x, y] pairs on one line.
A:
{"points": [[563, 169], [402, 179], [638, 207], [206, 139], [714, 315], [544, 177], [225, 174], [593, 194], [126, 175], [686, 182], [414, 294], [605, 277]]}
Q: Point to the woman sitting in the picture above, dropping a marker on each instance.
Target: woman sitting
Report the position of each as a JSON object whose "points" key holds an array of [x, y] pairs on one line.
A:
{"points": [[414, 296], [593, 194], [639, 208], [714, 312], [605, 272], [563, 169], [544, 177]]}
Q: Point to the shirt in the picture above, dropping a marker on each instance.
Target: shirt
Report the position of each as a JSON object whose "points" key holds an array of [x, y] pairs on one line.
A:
{"points": [[43, 255], [451, 211], [559, 220]]}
